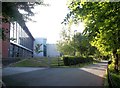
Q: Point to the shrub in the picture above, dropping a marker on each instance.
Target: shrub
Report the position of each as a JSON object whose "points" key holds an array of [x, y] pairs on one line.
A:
{"points": [[73, 60]]}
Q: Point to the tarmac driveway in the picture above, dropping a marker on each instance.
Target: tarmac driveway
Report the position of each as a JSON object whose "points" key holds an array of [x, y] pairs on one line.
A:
{"points": [[91, 75]]}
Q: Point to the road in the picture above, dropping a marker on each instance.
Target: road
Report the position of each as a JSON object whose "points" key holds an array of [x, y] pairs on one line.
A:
{"points": [[92, 75]]}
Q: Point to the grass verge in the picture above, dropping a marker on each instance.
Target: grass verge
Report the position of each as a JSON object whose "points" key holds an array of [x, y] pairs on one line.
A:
{"points": [[116, 79], [106, 84], [32, 62], [46, 62], [114, 76]]}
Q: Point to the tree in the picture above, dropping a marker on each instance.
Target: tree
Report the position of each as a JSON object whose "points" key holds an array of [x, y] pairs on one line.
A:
{"points": [[10, 11], [77, 44], [82, 45], [64, 44], [102, 21], [37, 48]]}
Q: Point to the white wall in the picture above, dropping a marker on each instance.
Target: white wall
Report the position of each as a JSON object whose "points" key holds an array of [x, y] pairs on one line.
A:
{"points": [[52, 50]]}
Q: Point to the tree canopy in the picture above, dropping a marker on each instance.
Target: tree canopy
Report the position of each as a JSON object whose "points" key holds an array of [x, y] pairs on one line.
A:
{"points": [[65, 44], [10, 11], [75, 44], [102, 21]]}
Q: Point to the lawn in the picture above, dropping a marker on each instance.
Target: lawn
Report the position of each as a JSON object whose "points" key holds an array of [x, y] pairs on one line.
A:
{"points": [[45, 62], [32, 62]]}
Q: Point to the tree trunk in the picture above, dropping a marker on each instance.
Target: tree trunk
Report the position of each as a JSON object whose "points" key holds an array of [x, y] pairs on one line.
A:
{"points": [[116, 60]]}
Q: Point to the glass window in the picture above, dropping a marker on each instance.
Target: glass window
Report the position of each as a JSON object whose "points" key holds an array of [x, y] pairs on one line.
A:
{"points": [[11, 50], [45, 50], [11, 30], [15, 51], [20, 52]]}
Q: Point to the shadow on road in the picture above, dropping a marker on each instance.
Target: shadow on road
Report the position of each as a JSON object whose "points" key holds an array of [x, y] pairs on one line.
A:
{"points": [[55, 77]]}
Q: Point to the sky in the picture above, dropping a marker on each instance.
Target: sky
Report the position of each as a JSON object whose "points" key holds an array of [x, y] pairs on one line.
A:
{"points": [[48, 20]]}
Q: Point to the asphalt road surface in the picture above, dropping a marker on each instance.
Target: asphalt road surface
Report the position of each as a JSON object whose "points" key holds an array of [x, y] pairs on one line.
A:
{"points": [[92, 75]]}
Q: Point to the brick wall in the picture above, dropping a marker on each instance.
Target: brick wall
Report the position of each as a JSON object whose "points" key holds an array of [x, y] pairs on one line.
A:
{"points": [[6, 42]]}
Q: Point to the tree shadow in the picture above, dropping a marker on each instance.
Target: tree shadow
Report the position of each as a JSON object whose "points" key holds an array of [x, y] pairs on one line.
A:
{"points": [[55, 77]]}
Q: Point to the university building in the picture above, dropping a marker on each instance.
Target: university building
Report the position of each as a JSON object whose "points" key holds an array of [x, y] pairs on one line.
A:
{"points": [[48, 50], [21, 41], [43, 47], [18, 43]]}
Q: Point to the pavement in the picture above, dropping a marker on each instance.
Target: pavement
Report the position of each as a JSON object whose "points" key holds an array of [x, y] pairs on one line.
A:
{"points": [[92, 75]]}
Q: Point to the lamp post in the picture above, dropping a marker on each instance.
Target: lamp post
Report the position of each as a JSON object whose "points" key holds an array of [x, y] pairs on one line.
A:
{"points": [[74, 41]]}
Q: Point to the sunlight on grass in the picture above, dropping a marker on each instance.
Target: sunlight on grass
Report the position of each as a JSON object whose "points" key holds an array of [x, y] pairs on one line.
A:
{"points": [[106, 84], [46, 62], [31, 63], [114, 76]]}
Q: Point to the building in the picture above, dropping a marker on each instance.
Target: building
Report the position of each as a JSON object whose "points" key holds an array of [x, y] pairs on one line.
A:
{"points": [[43, 47], [5, 42], [21, 41], [48, 50], [18, 43], [52, 50]]}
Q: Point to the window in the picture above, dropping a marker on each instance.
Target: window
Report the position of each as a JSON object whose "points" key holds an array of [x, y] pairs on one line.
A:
{"points": [[45, 50], [20, 52], [11, 50]]}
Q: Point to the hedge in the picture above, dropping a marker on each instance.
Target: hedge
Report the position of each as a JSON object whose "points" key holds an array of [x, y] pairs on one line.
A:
{"points": [[72, 60]]}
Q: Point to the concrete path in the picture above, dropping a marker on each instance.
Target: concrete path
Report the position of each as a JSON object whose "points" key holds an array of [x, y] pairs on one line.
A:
{"points": [[91, 75]]}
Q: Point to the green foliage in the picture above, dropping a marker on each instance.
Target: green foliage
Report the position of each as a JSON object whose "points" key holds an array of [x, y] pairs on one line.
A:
{"points": [[102, 21], [65, 44], [114, 76], [32, 62], [115, 79], [78, 44], [65, 48], [72, 60], [37, 48], [82, 45], [43, 62], [10, 11]]}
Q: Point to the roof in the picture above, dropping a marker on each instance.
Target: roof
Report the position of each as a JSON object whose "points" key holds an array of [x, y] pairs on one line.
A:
{"points": [[28, 32]]}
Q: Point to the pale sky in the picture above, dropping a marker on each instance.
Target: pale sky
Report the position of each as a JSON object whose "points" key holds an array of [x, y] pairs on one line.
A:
{"points": [[49, 20]]}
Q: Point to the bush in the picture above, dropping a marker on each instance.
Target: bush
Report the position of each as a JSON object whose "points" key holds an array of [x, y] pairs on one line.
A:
{"points": [[73, 60]]}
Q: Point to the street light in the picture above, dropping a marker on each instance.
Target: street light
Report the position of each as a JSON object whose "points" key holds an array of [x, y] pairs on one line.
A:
{"points": [[74, 41]]}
